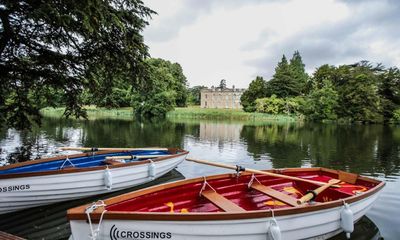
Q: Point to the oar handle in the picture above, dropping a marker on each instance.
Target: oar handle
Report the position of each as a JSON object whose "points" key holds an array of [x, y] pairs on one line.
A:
{"points": [[314, 193], [111, 149], [134, 156], [238, 168]]}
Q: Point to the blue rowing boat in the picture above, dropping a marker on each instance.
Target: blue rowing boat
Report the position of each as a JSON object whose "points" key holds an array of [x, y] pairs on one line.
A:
{"points": [[45, 181]]}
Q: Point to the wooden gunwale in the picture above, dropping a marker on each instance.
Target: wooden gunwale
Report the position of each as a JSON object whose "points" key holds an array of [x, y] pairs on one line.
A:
{"points": [[86, 169], [78, 213]]}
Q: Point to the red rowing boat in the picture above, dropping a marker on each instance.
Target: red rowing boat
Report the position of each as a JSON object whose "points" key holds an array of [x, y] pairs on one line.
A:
{"points": [[231, 206]]}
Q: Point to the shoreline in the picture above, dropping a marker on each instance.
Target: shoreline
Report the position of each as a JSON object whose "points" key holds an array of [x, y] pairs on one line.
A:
{"points": [[191, 112]]}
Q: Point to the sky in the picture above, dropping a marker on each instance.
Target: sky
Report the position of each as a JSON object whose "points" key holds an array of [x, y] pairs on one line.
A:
{"points": [[238, 40]]}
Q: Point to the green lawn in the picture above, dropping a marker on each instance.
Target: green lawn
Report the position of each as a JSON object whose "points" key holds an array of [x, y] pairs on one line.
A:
{"points": [[192, 112], [195, 112], [93, 112]]}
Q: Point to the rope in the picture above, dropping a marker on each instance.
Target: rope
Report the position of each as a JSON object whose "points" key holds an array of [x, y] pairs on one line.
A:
{"points": [[95, 232], [205, 183], [65, 161], [253, 177]]}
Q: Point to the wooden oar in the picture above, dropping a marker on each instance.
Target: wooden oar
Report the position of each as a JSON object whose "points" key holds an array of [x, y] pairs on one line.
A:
{"points": [[239, 168], [314, 193], [111, 149], [134, 156]]}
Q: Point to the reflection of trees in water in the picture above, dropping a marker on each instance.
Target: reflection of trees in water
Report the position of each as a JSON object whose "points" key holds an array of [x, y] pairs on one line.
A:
{"points": [[97, 133], [357, 148], [281, 142], [117, 133]]}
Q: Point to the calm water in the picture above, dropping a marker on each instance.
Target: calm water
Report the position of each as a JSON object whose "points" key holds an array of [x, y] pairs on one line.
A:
{"points": [[372, 150]]}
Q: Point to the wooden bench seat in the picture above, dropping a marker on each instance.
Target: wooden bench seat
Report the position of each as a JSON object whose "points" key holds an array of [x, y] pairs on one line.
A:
{"points": [[275, 194], [112, 162], [221, 202]]}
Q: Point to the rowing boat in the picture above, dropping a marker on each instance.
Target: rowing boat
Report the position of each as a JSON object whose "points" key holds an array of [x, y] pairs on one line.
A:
{"points": [[242, 205], [45, 181]]}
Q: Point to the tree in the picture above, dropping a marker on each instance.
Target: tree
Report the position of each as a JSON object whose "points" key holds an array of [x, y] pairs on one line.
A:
{"points": [[257, 89], [357, 88], [194, 95], [298, 71], [165, 89], [283, 84], [322, 102], [222, 84], [389, 91], [67, 46]]}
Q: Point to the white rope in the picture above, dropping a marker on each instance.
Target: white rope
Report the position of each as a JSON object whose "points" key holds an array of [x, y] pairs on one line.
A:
{"points": [[94, 233], [205, 184], [253, 177], [65, 161]]}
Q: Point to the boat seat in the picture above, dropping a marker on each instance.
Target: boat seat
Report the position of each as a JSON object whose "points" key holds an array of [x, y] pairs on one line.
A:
{"points": [[221, 202], [275, 194], [112, 162]]}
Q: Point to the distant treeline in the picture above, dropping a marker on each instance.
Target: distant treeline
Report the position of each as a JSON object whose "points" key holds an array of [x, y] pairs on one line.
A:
{"points": [[357, 92], [360, 92]]}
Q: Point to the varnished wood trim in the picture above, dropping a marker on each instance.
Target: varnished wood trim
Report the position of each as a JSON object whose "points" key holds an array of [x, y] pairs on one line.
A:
{"points": [[75, 170], [78, 213]]}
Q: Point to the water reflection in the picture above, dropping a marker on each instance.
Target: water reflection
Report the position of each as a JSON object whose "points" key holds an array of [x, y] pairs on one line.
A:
{"points": [[372, 150]]}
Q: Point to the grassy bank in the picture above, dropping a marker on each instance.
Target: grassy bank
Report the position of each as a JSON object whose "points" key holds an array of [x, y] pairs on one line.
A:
{"points": [[178, 113], [93, 112], [225, 114]]}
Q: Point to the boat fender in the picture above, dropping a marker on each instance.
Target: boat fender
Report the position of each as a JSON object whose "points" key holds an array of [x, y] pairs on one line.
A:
{"points": [[108, 179], [274, 231], [346, 220], [152, 170]]}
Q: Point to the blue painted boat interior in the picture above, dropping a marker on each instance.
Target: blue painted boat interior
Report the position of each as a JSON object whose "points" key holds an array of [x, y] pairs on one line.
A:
{"points": [[79, 162]]}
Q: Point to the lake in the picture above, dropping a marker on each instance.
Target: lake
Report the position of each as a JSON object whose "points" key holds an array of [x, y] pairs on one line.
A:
{"points": [[370, 150]]}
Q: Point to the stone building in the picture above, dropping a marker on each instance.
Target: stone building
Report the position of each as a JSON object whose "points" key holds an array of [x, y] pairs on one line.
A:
{"points": [[221, 97]]}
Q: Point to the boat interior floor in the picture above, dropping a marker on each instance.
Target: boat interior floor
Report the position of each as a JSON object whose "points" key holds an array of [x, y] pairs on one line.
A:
{"points": [[85, 161], [239, 193]]}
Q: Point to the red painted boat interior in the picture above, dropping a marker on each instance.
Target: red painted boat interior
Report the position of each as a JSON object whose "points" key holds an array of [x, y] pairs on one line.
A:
{"points": [[186, 198]]}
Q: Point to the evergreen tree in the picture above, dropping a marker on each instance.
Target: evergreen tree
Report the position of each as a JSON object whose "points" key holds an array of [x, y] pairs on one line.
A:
{"points": [[257, 89], [283, 83], [298, 71], [66, 46], [222, 84]]}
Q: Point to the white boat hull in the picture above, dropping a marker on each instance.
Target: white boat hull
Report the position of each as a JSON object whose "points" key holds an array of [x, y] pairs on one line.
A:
{"points": [[27, 192], [320, 224]]}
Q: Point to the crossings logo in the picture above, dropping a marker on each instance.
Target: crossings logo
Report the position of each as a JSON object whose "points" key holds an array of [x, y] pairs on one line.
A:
{"points": [[15, 188], [116, 234]]}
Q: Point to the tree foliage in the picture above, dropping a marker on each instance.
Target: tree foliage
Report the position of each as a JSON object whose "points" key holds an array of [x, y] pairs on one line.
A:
{"points": [[194, 93], [322, 102], [257, 89], [389, 91], [165, 89], [275, 105], [290, 79], [66, 46]]}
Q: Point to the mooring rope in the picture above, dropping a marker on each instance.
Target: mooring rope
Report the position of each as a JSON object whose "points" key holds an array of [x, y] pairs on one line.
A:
{"points": [[88, 211]]}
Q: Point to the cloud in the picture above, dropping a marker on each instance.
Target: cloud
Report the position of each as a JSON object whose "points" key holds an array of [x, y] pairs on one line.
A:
{"points": [[238, 40], [189, 11], [371, 32]]}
